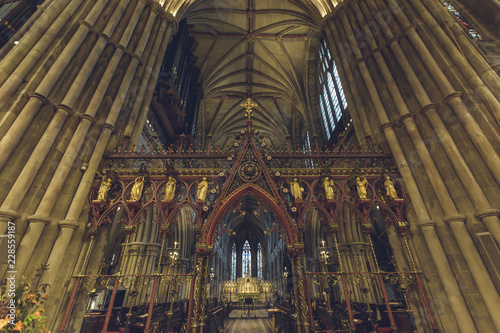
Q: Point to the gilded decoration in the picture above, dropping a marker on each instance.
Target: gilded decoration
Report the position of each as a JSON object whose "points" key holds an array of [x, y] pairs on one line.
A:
{"points": [[213, 183], [249, 171]]}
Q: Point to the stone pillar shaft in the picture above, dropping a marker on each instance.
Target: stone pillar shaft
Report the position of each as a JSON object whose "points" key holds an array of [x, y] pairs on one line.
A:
{"points": [[475, 67], [138, 118], [453, 98], [84, 73], [23, 121], [480, 273], [64, 168], [446, 275], [37, 16], [478, 270], [431, 170], [76, 206], [28, 244], [450, 284], [34, 163], [31, 59], [67, 161], [26, 44], [476, 194]]}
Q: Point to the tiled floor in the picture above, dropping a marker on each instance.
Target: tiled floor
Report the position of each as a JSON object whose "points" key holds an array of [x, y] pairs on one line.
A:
{"points": [[262, 324]]}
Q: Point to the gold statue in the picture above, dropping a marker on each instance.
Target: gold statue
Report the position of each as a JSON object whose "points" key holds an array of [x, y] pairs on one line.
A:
{"points": [[170, 188], [106, 183], [328, 186], [389, 187], [361, 185], [296, 189], [201, 194], [136, 192]]}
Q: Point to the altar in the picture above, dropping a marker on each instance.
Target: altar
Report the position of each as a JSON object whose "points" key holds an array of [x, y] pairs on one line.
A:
{"points": [[248, 287]]}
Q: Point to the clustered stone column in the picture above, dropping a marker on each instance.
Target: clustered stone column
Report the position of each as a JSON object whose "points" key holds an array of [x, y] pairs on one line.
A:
{"points": [[367, 49], [112, 55]]}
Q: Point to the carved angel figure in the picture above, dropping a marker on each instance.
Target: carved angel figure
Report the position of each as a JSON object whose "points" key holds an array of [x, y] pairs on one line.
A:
{"points": [[136, 193], [170, 188], [361, 185], [201, 194], [328, 186], [106, 183], [389, 187], [296, 189]]}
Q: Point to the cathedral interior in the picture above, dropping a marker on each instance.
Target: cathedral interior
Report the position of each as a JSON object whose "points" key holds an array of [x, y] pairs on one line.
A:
{"points": [[184, 165]]}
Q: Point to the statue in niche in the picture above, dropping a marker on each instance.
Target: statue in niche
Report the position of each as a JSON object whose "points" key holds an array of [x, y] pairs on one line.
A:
{"points": [[361, 185], [328, 186], [170, 188], [201, 194], [296, 189], [102, 194], [389, 187], [136, 192]]}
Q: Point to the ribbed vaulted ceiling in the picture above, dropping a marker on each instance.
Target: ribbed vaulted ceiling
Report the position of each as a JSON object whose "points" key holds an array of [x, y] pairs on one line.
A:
{"points": [[257, 49]]}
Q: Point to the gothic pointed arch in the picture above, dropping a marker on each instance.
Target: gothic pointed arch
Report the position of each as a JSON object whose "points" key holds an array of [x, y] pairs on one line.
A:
{"points": [[208, 230]]}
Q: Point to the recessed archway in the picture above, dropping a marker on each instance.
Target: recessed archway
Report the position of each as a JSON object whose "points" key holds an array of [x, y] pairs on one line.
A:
{"points": [[290, 231]]}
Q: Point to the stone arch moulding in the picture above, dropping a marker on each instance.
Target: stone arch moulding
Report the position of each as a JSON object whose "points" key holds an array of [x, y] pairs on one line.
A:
{"points": [[177, 210], [208, 230], [313, 203]]}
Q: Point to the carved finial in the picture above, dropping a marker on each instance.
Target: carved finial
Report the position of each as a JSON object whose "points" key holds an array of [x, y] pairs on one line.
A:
{"points": [[249, 105]]}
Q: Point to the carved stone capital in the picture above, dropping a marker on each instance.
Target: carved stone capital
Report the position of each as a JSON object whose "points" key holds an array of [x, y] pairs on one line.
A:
{"points": [[71, 224], [172, 22], [36, 95], [137, 57], [452, 96], [119, 46], [405, 117], [425, 223], [39, 219], [386, 125], [411, 28], [394, 39], [64, 108], [108, 126], [88, 117], [454, 218], [9, 215], [155, 7], [486, 212], [428, 107], [103, 35], [360, 61], [85, 24]]}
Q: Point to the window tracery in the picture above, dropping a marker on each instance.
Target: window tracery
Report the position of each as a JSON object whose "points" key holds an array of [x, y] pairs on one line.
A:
{"points": [[246, 259], [332, 100], [233, 262]]}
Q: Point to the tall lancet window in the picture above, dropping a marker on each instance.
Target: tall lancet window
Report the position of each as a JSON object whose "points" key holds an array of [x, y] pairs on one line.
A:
{"points": [[332, 102], [259, 261], [233, 262], [462, 20], [246, 259]]}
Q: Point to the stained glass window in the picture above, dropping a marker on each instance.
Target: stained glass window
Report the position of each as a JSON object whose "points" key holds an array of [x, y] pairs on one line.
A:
{"points": [[246, 259], [462, 20], [233, 262], [259, 261], [332, 102]]}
